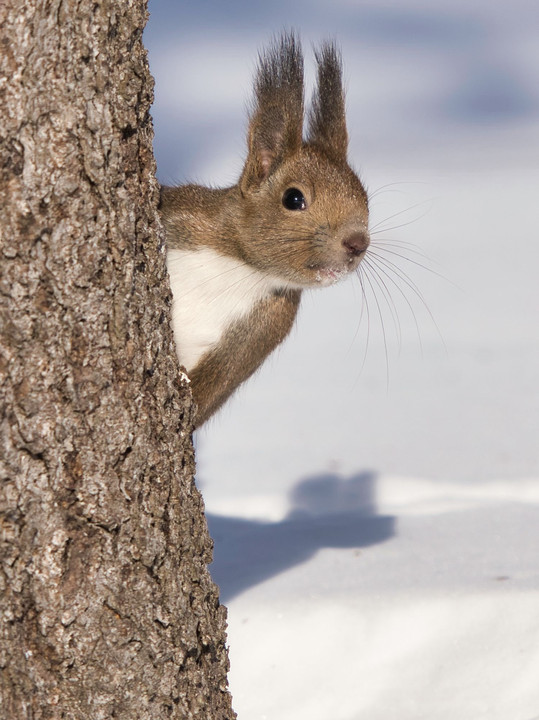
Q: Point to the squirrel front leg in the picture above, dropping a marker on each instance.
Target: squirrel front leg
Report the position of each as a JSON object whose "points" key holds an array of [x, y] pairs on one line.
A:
{"points": [[241, 350]]}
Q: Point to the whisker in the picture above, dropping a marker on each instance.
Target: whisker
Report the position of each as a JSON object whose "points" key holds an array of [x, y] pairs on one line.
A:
{"points": [[393, 227], [207, 280], [406, 250], [410, 260], [391, 267], [364, 309], [387, 274], [387, 297], [381, 317], [401, 212], [383, 188], [411, 248]]}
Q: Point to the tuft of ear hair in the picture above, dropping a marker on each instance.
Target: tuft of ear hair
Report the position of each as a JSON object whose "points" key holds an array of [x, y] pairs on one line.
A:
{"points": [[276, 121], [327, 119]]}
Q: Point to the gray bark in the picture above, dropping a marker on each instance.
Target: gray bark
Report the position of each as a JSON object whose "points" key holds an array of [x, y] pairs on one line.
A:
{"points": [[107, 609]]}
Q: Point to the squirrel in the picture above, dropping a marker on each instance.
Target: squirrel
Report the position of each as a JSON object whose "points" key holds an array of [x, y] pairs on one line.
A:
{"points": [[240, 257]]}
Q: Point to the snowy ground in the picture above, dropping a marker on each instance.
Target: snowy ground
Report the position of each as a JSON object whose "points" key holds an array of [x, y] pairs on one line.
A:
{"points": [[376, 512]]}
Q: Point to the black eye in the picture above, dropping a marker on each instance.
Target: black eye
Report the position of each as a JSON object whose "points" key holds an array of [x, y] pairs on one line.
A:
{"points": [[294, 199]]}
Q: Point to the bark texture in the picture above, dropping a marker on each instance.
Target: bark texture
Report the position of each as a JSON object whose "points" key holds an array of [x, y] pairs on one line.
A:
{"points": [[107, 609]]}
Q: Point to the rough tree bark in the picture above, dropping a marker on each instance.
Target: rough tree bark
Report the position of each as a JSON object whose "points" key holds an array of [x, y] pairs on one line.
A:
{"points": [[107, 607]]}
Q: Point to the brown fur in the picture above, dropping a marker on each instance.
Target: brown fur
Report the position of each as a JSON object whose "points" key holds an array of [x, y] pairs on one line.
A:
{"points": [[249, 222], [242, 350]]}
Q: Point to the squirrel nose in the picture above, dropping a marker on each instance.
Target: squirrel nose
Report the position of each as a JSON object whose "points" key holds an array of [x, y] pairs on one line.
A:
{"points": [[356, 243]]}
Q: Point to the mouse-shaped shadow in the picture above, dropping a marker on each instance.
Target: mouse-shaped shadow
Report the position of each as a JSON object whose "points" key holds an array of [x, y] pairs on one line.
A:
{"points": [[327, 512]]}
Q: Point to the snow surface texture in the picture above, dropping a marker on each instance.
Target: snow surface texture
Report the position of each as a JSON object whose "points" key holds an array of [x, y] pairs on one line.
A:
{"points": [[374, 492]]}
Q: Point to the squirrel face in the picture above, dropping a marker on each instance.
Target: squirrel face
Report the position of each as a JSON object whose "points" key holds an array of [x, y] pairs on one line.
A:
{"points": [[304, 214], [307, 223]]}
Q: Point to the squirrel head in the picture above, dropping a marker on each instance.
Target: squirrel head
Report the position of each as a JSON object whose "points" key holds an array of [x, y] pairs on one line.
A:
{"points": [[304, 210]]}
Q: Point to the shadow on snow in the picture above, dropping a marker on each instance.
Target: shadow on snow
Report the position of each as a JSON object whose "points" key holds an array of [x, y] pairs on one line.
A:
{"points": [[327, 512]]}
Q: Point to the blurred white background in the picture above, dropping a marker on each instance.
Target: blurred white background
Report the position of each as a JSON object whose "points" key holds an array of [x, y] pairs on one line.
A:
{"points": [[370, 487]]}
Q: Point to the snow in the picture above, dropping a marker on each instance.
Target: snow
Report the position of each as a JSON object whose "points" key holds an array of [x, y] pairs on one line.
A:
{"points": [[374, 492]]}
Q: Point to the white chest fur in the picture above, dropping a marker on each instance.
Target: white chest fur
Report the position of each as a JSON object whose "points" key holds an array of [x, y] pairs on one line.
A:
{"points": [[210, 291]]}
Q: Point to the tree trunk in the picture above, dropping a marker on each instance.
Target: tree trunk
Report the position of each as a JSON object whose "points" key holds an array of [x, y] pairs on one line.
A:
{"points": [[107, 607]]}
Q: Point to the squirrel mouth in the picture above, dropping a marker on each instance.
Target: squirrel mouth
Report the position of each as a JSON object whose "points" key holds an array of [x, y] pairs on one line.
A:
{"points": [[324, 275]]}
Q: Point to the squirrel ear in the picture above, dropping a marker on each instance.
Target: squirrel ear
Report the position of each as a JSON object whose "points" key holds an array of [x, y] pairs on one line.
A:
{"points": [[276, 122], [327, 119]]}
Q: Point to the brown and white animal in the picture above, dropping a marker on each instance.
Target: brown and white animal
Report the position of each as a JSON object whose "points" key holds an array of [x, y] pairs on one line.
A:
{"points": [[239, 257]]}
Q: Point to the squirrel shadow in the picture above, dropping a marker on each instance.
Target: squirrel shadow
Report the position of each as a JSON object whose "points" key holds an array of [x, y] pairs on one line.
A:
{"points": [[327, 512]]}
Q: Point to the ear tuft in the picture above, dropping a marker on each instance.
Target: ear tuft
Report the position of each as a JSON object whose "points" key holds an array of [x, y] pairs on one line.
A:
{"points": [[327, 118], [276, 119]]}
